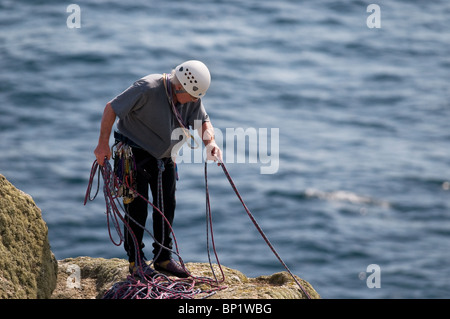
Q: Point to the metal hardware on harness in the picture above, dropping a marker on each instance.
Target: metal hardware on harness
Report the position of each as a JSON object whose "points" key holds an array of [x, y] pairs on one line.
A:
{"points": [[125, 170]]}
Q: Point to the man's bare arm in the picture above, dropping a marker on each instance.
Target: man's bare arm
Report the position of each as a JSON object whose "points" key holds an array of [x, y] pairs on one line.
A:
{"points": [[213, 152], [103, 150]]}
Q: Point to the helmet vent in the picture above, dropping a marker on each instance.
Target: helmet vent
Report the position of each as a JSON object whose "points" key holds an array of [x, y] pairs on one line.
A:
{"points": [[194, 76]]}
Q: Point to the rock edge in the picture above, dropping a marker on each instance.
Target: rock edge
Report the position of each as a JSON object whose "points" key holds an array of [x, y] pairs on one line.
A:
{"points": [[96, 275]]}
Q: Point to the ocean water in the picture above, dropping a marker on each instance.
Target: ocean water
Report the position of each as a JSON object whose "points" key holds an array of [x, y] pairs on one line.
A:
{"points": [[357, 119]]}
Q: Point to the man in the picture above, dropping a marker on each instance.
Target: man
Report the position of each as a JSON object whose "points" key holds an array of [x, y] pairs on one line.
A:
{"points": [[149, 111]]}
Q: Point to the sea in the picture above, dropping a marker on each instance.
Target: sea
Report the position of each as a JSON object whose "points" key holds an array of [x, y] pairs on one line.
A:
{"points": [[333, 117]]}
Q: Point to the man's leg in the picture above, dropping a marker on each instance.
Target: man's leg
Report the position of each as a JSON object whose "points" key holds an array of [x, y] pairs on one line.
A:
{"points": [[137, 210], [161, 225]]}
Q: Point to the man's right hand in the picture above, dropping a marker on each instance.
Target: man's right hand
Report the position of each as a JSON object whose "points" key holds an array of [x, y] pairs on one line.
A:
{"points": [[102, 151]]}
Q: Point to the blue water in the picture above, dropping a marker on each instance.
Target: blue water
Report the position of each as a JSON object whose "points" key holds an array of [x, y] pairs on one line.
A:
{"points": [[363, 118]]}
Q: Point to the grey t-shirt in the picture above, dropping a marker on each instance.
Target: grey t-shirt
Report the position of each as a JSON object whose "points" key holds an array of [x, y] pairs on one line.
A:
{"points": [[146, 116]]}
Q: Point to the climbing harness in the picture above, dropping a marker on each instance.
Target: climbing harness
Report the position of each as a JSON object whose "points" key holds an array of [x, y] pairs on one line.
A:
{"points": [[160, 286]]}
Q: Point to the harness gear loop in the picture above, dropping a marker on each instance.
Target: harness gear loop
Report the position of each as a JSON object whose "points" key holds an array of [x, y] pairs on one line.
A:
{"points": [[125, 170]]}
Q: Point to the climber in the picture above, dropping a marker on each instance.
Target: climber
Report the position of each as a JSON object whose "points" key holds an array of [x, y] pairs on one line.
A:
{"points": [[148, 111]]}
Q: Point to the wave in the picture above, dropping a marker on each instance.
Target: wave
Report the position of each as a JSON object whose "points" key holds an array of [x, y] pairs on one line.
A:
{"points": [[334, 196], [345, 196]]}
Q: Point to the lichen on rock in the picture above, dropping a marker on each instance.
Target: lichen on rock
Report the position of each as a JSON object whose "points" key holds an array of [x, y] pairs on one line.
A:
{"points": [[28, 268]]}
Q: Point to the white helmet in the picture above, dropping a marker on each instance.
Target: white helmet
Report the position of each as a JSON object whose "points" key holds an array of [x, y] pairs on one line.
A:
{"points": [[194, 76]]}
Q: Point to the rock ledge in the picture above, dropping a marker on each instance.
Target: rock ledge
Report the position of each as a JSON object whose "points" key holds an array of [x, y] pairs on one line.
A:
{"points": [[90, 278]]}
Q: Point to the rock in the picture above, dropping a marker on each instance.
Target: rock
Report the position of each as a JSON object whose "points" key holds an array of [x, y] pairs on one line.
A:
{"points": [[28, 268], [90, 278]]}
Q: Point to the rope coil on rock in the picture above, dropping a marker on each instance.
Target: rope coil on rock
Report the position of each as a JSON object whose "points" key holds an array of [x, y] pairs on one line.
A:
{"points": [[160, 286]]}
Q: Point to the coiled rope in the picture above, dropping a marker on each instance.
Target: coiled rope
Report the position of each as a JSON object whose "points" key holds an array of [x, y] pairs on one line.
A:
{"points": [[143, 286], [161, 286]]}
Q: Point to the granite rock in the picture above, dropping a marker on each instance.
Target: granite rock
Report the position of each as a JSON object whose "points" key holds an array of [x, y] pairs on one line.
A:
{"points": [[28, 268]]}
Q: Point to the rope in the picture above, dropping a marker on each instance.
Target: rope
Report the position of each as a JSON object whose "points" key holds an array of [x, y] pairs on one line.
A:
{"points": [[209, 227], [252, 218], [160, 199], [168, 87], [159, 286]]}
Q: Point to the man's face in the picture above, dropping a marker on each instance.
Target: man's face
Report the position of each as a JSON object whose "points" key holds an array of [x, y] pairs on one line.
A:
{"points": [[183, 97]]}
